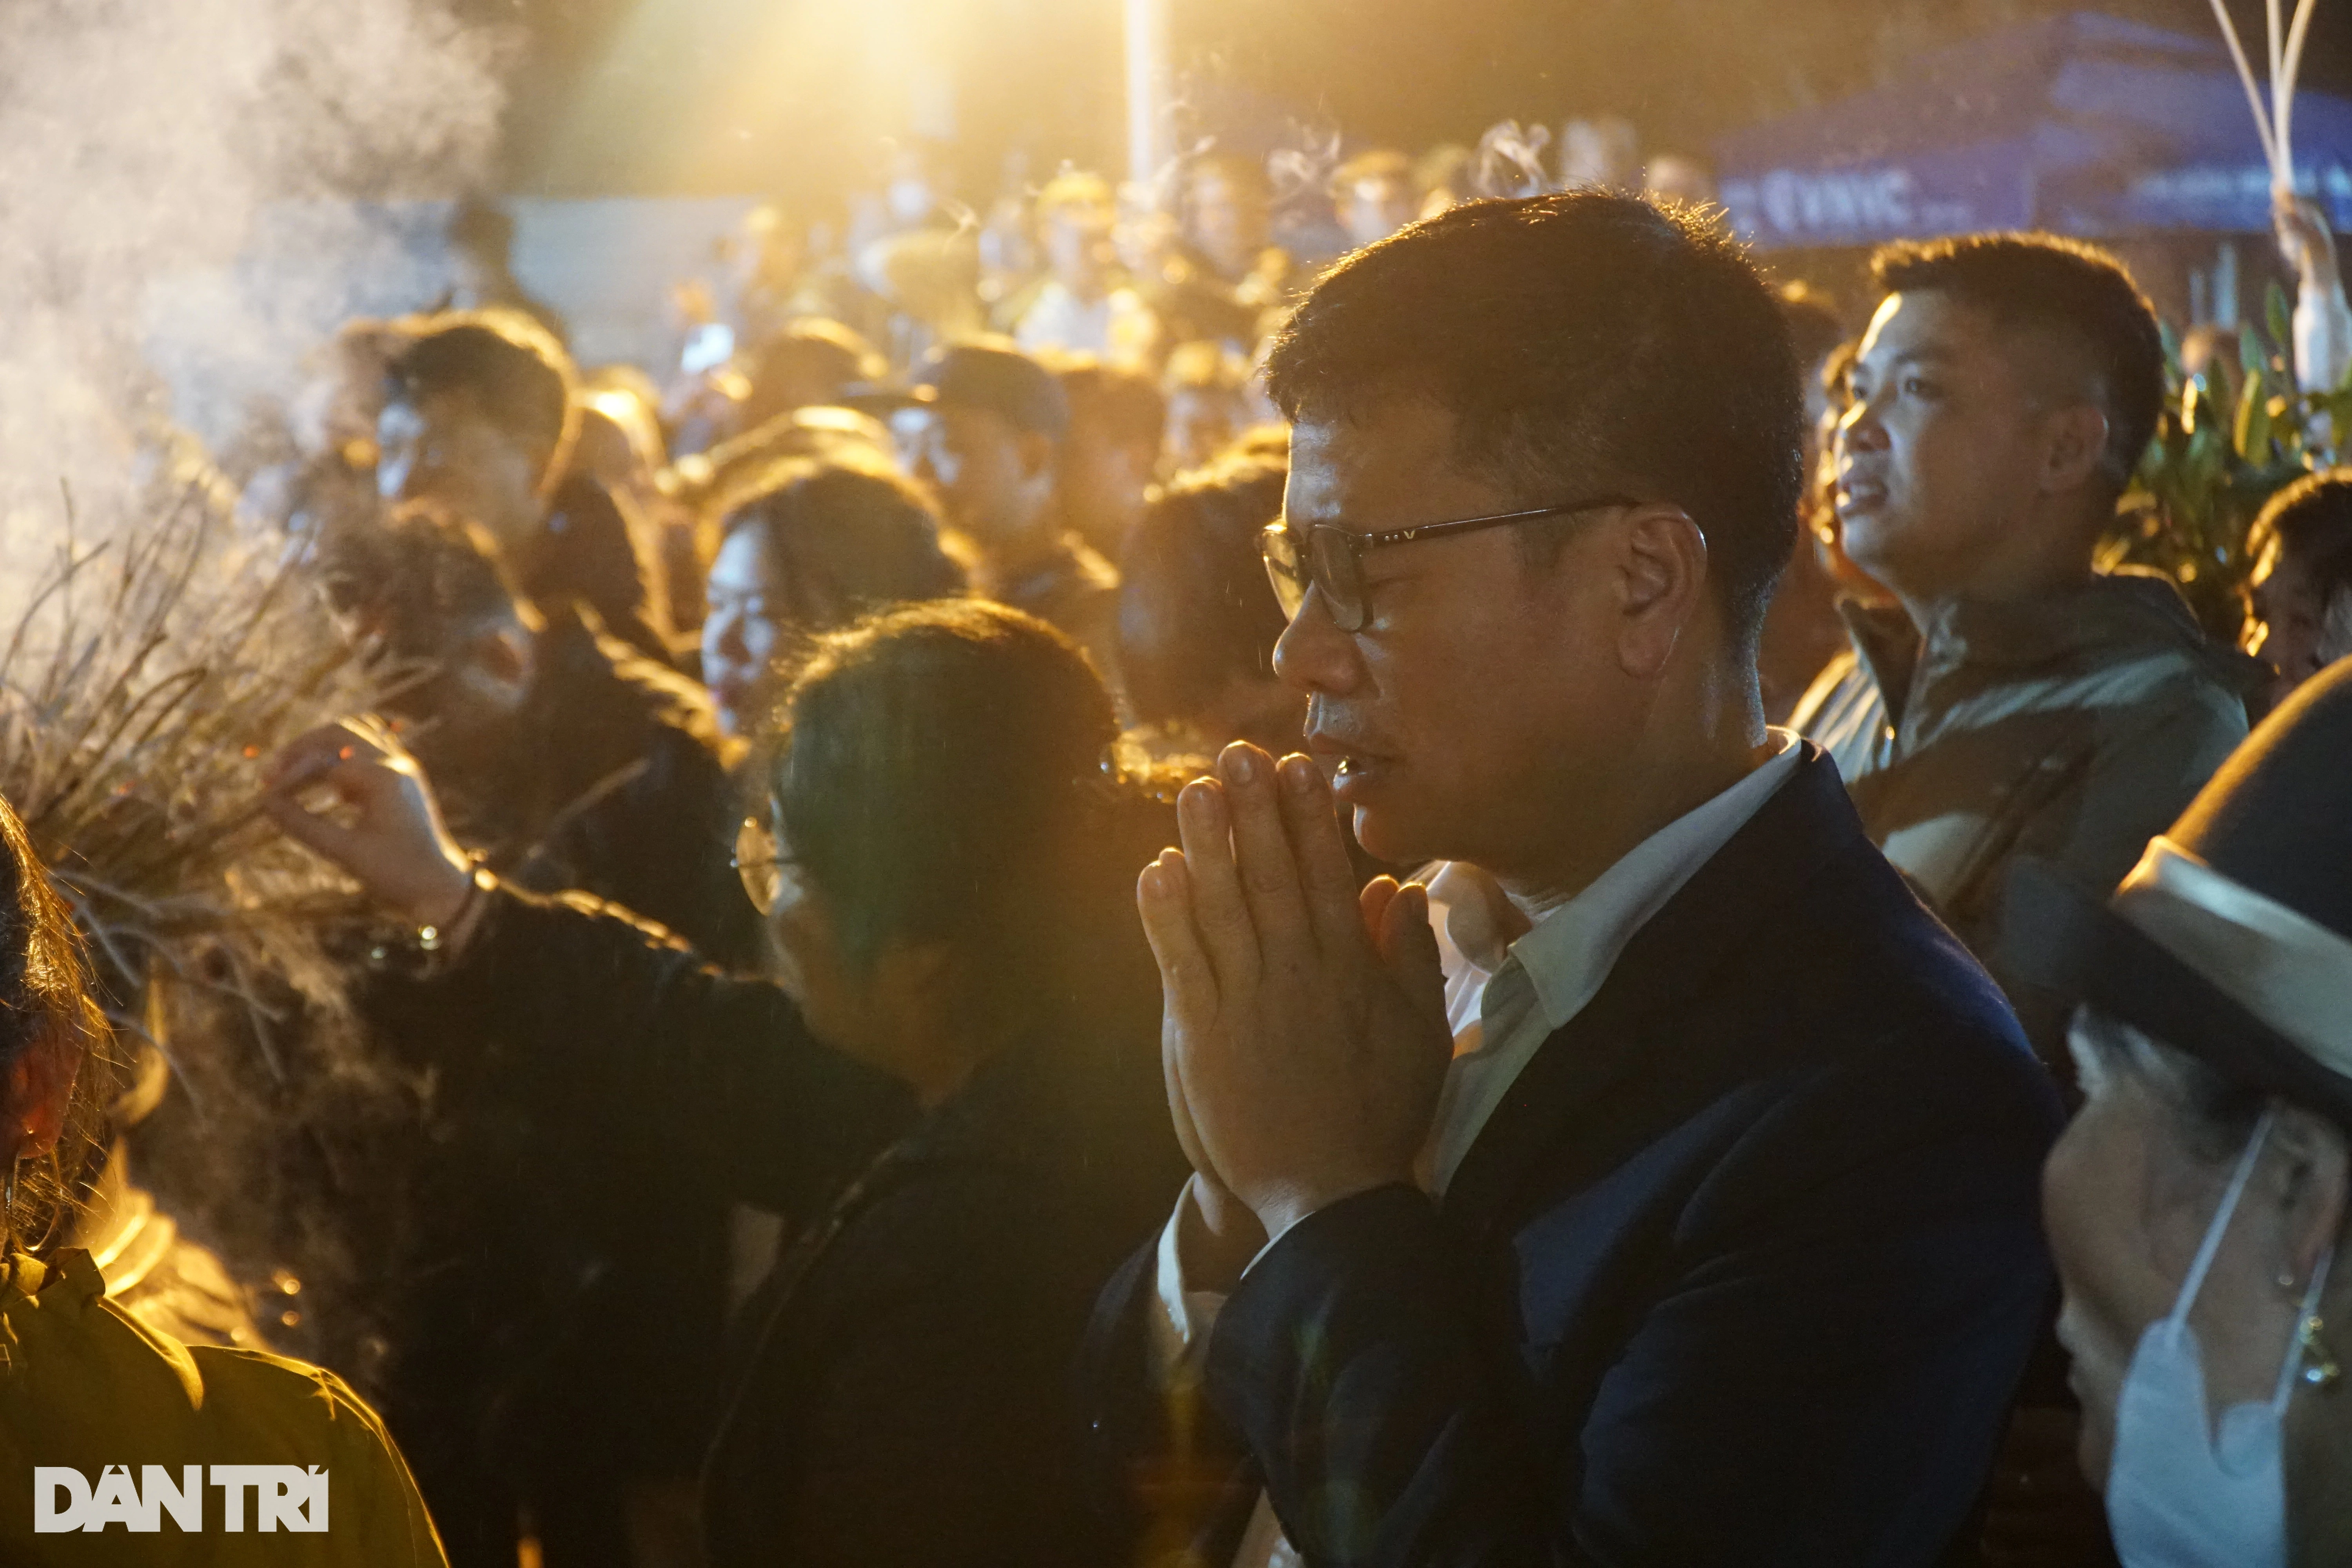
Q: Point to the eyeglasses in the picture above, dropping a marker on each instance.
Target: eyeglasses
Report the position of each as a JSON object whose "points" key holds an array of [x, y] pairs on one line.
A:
{"points": [[1332, 558], [758, 863]]}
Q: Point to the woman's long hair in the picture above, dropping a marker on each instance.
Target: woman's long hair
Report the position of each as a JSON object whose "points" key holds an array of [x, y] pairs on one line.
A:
{"points": [[46, 994]]}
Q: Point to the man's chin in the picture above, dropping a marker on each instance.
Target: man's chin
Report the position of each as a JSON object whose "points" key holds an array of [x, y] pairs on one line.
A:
{"points": [[1389, 836]]}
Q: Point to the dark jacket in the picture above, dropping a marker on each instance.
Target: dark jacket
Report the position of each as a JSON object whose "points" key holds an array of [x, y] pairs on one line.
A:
{"points": [[904, 1397], [1742, 1271], [611, 783], [561, 1302]]}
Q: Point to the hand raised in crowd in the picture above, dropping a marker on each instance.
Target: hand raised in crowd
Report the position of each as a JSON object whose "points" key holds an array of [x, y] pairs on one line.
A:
{"points": [[1304, 1033], [350, 790]]}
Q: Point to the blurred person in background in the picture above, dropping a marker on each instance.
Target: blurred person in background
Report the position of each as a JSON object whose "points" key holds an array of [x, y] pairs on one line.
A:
{"points": [[1229, 212], [2200, 1200], [1225, 278], [1110, 457], [620, 447], [807, 546], [2300, 597], [558, 1315], [992, 450], [88, 1386], [479, 417], [1802, 632], [1197, 619], [810, 363], [566, 761], [2012, 701], [957, 1081], [1082, 305], [1374, 194], [1208, 402], [481, 250]]}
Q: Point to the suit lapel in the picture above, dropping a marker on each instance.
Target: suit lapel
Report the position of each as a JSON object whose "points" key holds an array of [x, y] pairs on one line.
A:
{"points": [[1559, 1099]]}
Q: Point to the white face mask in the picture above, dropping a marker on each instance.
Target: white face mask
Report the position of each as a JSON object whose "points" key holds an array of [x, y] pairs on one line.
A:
{"points": [[2178, 1495]]}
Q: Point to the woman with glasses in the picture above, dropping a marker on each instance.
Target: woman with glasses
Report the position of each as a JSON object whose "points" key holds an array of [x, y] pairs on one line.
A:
{"points": [[958, 1074], [807, 546]]}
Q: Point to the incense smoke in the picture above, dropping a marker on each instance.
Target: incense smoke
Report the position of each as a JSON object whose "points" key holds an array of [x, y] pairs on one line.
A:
{"points": [[180, 189]]}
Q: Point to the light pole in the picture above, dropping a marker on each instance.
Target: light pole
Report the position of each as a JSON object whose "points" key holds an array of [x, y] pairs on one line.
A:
{"points": [[1148, 88]]}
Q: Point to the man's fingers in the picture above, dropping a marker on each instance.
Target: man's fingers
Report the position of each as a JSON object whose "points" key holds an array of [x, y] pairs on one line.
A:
{"points": [[1408, 950], [1372, 907], [1221, 914], [310, 828], [1269, 873], [310, 756], [1187, 978], [1327, 877]]}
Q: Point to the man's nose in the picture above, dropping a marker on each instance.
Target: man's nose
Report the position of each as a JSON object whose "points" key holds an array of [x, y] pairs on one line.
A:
{"points": [[1859, 429], [1314, 655]]}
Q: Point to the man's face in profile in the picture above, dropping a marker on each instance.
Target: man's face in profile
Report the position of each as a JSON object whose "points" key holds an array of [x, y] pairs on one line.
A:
{"points": [[445, 447], [1937, 452], [1459, 721]]}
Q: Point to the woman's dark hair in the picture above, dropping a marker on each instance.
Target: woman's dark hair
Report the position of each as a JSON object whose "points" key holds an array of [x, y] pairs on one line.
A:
{"points": [[1583, 342], [939, 775], [2312, 518], [46, 994], [1195, 610], [844, 538]]}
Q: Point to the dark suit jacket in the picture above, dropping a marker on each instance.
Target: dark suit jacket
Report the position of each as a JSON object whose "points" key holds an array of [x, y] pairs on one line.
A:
{"points": [[1743, 1269]]}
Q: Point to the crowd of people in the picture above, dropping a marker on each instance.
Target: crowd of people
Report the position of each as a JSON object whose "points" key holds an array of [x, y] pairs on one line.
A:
{"points": [[1102, 894]]}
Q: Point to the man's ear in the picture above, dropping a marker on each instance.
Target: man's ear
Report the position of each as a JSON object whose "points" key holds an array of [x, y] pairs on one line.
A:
{"points": [[2073, 444], [1661, 577], [36, 1091]]}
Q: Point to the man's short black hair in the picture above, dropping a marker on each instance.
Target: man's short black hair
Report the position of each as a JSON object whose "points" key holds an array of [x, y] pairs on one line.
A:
{"points": [[1583, 341], [511, 365], [2311, 519], [2062, 289]]}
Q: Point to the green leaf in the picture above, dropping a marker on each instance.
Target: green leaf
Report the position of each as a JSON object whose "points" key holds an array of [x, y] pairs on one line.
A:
{"points": [[2251, 434], [2251, 355], [2281, 317]]}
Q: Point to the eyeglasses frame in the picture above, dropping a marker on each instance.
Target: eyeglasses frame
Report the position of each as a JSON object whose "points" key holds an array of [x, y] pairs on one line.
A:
{"points": [[1357, 545]]}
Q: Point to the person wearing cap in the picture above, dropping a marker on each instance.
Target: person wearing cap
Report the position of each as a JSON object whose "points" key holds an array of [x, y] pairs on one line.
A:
{"points": [[2196, 1202], [992, 452]]}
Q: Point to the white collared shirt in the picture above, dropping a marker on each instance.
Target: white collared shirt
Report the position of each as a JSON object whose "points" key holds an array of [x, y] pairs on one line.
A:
{"points": [[1504, 998]]}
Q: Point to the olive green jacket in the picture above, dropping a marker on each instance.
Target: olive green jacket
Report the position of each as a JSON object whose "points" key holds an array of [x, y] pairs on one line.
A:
{"points": [[87, 1387], [2072, 729]]}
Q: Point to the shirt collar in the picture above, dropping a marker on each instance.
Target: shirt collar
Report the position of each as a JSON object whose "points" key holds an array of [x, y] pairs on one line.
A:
{"points": [[1569, 949]]}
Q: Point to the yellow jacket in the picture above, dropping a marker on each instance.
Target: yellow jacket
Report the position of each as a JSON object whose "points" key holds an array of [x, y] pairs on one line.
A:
{"points": [[106, 1423]]}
